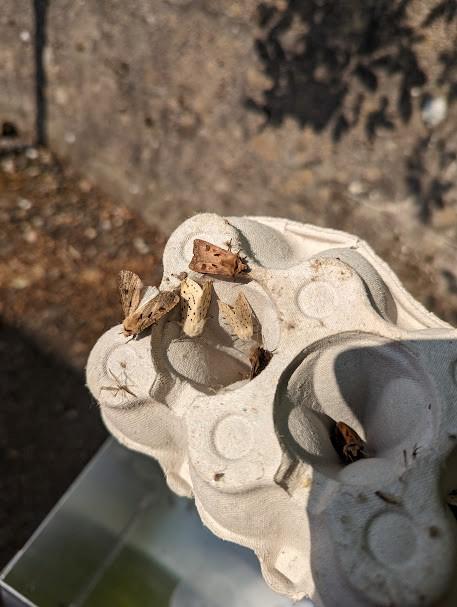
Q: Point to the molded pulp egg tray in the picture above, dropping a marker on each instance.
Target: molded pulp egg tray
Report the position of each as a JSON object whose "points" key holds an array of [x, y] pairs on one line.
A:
{"points": [[348, 344]]}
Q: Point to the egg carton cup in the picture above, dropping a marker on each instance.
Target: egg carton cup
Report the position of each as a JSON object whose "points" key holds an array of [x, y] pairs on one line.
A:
{"points": [[349, 344]]}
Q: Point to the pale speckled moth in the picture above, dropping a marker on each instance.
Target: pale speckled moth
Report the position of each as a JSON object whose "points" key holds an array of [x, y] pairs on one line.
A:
{"points": [[138, 317], [210, 259], [196, 300], [239, 317]]}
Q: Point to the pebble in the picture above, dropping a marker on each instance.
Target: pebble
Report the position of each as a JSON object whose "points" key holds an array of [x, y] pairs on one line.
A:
{"points": [[24, 204], [31, 153], [434, 111], [20, 282], [90, 233], [8, 165], [356, 188], [30, 236], [141, 246]]}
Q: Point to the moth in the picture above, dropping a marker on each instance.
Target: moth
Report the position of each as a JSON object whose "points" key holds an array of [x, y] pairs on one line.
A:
{"points": [[388, 498], [196, 300], [211, 259], [452, 497], [119, 386], [259, 359], [239, 317], [347, 443], [138, 317]]}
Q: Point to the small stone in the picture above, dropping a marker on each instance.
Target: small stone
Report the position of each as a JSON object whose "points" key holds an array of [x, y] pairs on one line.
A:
{"points": [[91, 276], [61, 96], [70, 138], [25, 36], [24, 204], [30, 236], [20, 282], [141, 246], [356, 188], [90, 233], [85, 185], [434, 111], [134, 189], [8, 165], [31, 153]]}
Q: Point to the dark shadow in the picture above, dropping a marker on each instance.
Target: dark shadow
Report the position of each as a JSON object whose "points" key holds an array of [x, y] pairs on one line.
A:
{"points": [[401, 435], [324, 59], [424, 178], [447, 10], [40, 8], [49, 428], [447, 77]]}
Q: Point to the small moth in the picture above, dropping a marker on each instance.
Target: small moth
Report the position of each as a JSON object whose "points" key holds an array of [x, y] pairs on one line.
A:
{"points": [[138, 317], [196, 300], [119, 386], [211, 259], [452, 497], [347, 443], [389, 498], [259, 359], [239, 317]]}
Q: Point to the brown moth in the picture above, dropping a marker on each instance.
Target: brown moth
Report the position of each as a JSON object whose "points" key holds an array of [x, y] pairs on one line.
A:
{"points": [[239, 317], [259, 359], [389, 498], [119, 386], [452, 497], [138, 317], [347, 443], [211, 259], [196, 300]]}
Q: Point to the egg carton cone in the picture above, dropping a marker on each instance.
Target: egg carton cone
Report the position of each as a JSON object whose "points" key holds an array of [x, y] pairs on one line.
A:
{"points": [[340, 345]]}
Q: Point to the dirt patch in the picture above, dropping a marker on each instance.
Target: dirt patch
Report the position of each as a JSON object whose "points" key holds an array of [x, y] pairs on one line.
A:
{"points": [[62, 244]]}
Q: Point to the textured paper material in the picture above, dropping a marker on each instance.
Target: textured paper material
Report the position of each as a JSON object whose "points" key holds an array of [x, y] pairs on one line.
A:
{"points": [[349, 344]]}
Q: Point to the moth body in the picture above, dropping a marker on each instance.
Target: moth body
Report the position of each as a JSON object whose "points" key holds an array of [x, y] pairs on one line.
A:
{"points": [[210, 259]]}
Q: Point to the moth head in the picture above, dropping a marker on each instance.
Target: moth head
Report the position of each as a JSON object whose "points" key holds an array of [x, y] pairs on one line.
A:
{"points": [[241, 265], [128, 331]]}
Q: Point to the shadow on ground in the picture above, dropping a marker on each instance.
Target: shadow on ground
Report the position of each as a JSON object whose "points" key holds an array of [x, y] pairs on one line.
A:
{"points": [[49, 429]]}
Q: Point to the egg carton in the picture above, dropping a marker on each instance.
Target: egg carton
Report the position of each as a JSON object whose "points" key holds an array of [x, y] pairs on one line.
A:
{"points": [[348, 344]]}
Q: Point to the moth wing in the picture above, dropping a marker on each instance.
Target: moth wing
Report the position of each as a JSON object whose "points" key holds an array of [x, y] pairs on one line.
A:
{"points": [[153, 310], [254, 359], [130, 287], [198, 300], [205, 300], [244, 318], [190, 291], [208, 258], [228, 313]]}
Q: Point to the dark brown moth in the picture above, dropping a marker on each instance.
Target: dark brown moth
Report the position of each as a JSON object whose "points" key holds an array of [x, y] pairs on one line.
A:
{"points": [[347, 443], [259, 359], [138, 317], [210, 259]]}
